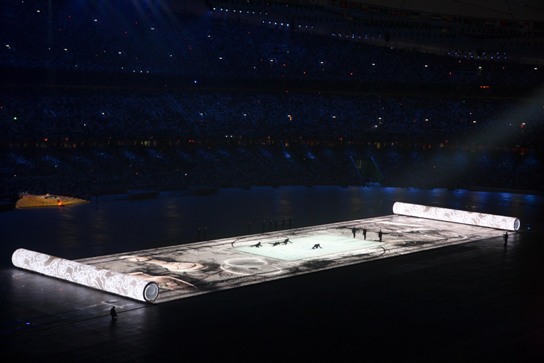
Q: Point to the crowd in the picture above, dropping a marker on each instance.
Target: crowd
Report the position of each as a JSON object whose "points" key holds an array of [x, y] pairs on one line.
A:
{"points": [[142, 38], [94, 170], [82, 116], [364, 114]]}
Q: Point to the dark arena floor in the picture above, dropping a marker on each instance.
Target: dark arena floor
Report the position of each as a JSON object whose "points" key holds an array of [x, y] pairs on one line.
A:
{"points": [[429, 291]]}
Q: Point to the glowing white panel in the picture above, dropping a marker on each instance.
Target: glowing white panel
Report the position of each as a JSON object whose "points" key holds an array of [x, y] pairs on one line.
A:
{"points": [[457, 216], [101, 279]]}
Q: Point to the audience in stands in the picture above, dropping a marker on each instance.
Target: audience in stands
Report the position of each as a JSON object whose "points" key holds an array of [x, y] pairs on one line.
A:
{"points": [[112, 96]]}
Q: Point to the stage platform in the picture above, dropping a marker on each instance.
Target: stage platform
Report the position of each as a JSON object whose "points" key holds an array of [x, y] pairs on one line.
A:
{"points": [[198, 268], [435, 291]]}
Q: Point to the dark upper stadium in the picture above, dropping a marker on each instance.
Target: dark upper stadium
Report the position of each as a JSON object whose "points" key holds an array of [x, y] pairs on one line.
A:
{"points": [[105, 96]]}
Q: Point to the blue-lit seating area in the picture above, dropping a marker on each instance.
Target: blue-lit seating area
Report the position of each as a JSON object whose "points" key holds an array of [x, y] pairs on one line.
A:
{"points": [[174, 100]]}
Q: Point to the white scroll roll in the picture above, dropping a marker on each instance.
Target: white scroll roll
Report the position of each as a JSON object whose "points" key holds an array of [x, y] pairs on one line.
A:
{"points": [[457, 216], [101, 279]]}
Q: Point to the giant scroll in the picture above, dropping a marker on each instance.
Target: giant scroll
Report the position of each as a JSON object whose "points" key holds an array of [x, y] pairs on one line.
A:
{"points": [[457, 216], [86, 275]]}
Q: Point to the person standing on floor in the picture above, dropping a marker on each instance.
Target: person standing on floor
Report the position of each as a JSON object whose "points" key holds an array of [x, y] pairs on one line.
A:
{"points": [[113, 313]]}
